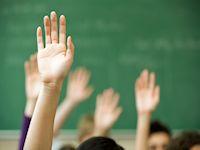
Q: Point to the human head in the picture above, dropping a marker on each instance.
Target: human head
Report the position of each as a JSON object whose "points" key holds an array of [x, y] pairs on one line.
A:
{"points": [[186, 141], [67, 147], [99, 143], [85, 127], [159, 136]]}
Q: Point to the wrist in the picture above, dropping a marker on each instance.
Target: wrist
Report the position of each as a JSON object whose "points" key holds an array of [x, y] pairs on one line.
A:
{"points": [[53, 86], [144, 113], [29, 108], [70, 103], [144, 119], [100, 132], [72, 100]]}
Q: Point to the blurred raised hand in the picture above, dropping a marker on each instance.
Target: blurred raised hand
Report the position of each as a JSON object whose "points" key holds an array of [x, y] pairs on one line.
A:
{"points": [[107, 111], [78, 89], [147, 92], [147, 95], [32, 83]]}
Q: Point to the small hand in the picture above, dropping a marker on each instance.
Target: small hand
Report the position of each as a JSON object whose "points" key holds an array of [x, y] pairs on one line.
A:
{"points": [[78, 89], [107, 111], [147, 93], [32, 81], [55, 59]]}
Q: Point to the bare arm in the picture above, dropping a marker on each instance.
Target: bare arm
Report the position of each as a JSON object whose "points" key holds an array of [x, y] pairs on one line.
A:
{"points": [[147, 99], [54, 62], [32, 86], [77, 91]]}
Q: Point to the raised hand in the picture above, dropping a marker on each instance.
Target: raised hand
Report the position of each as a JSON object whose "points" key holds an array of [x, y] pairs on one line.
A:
{"points": [[32, 84], [107, 111], [55, 59], [147, 92], [32, 81], [78, 89]]}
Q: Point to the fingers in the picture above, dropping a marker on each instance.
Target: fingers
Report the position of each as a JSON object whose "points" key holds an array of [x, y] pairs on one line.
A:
{"points": [[89, 91], [144, 78], [51, 32], [152, 81], [27, 68], [40, 44], [145, 81], [81, 76], [157, 94], [117, 113], [54, 27], [34, 63], [70, 47], [115, 101], [109, 100], [31, 65], [47, 30], [62, 30]]}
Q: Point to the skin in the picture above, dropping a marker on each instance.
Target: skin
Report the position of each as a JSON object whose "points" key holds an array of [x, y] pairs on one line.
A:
{"points": [[107, 112], [32, 84], [158, 141], [195, 147], [77, 92], [147, 98], [54, 62]]}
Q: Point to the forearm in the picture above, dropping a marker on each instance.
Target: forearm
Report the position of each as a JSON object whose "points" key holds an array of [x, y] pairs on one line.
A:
{"points": [[41, 128], [100, 132], [142, 131], [29, 108], [28, 112], [63, 113]]}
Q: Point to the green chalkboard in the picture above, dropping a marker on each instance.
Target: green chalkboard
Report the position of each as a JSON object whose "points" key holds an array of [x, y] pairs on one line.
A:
{"points": [[115, 39]]}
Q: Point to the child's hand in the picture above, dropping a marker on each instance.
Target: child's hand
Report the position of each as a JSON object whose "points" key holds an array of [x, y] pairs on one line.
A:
{"points": [[107, 111], [54, 59], [78, 89], [32, 81], [147, 92]]}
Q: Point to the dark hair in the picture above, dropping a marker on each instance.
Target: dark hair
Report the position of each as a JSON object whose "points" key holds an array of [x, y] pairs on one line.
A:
{"points": [[99, 143], [67, 147], [157, 126], [185, 141]]}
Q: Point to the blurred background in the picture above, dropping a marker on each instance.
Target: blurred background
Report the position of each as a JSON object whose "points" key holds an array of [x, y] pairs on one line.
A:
{"points": [[115, 40]]}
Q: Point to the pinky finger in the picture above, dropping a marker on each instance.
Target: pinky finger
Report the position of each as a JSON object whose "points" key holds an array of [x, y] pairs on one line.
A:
{"points": [[70, 46], [117, 113], [157, 94], [39, 38]]}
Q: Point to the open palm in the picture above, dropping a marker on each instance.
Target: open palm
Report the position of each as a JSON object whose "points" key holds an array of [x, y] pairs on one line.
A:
{"points": [[147, 93], [78, 89], [55, 59], [32, 78], [107, 110]]}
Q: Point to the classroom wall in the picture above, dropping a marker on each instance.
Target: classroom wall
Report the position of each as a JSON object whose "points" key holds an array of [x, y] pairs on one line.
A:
{"points": [[115, 39]]}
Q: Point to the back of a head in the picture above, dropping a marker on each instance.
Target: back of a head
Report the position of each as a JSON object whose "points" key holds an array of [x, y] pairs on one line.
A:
{"points": [[67, 147], [185, 141], [85, 127], [99, 143], [157, 126]]}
